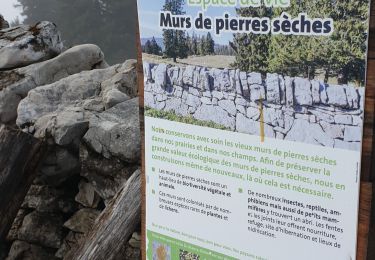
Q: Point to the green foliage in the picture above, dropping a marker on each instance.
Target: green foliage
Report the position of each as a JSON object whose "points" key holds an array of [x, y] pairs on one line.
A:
{"points": [[200, 45], [182, 119], [152, 47], [341, 55], [252, 49], [175, 42], [110, 24]]}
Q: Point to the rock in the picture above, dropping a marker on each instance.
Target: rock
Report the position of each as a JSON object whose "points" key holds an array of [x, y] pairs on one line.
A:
{"points": [[289, 91], [59, 166], [160, 75], [3, 23], [136, 240], [193, 101], [221, 79], [228, 106], [115, 132], [17, 83], [215, 114], [23, 45], [67, 92], [252, 113], [353, 134], [107, 176], [354, 146], [87, 195], [304, 132], [48, 199], [343, 119], [254, 78], [333, 131], [188, 75], [26, 251], [65, 116], [337, 96], [71, 242], [44, 229], [147, 71], [17, 223], [302, 92], [82, 221], [247, 126], [177, 106], [282, 90], [315, 91], [273, 88], [257, 92], [352, 97]]}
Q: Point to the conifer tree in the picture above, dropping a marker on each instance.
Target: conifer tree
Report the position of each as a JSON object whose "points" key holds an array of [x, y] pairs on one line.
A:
{"points": [[175, 42]]}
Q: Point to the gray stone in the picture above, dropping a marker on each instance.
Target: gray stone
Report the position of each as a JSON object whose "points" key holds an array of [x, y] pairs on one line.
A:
{"points": [[115, 132], [282, 90], [289, 91], [16, 225], [273, 88], [337, 96], [315, 90], [352, 97], [302, 92], [334, 131], [136, 240], [82, 221], [215, 114], [59, 165], [107, 176], [87, 195], [353, 134], [70, 243], [228, 106], [26, 251], [44, 229], [343, 119], [160, 75], [246, 125], [149, 99], [254, 78], [45, 198], [354, 146], [24, 45], [222, 80], [188, 75], [17, 83], [177, 106], [304, 132], [257, 92], [253, 113], [193, 101], [147, 71]]}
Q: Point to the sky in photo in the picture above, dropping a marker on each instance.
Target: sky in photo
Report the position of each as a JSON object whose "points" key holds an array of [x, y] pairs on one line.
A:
{"points": [[8, 10], [149, 18]]}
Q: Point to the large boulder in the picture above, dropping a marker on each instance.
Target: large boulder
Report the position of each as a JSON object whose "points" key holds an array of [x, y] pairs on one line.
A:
{"points": [[25, 44], [15, 84], [69, 103]]}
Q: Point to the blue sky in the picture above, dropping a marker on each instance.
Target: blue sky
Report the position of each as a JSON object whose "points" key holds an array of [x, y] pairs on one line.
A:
{"points": [[149, 18]]}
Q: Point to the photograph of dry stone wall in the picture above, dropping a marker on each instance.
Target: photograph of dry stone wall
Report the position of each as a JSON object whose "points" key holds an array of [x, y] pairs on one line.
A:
{"points": [[293, 108]]}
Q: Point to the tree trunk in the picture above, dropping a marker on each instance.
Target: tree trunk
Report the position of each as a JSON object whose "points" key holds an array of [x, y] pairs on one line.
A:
{"points": [[20, 154], [115, 225]]}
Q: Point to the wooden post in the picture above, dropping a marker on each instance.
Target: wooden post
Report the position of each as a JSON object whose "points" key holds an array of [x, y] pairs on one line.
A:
{"points": [[20, 154]]}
